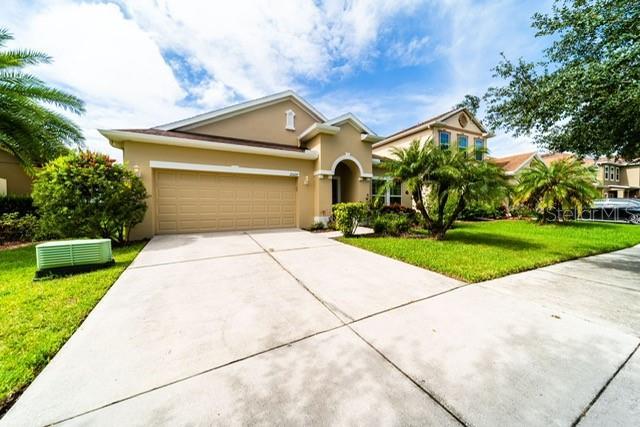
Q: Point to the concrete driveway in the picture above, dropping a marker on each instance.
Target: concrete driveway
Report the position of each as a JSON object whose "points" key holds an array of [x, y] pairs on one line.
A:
{"points": [[290, 327]]}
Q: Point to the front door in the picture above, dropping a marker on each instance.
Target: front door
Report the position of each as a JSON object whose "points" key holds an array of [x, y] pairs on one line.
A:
{"points": [[335, 190]]}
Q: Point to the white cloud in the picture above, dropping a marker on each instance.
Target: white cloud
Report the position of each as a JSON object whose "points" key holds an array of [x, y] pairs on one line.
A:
{"points": [[255, 48], [415, 51], [504, 145], [111, 55], [139, 63], [106, 60]]}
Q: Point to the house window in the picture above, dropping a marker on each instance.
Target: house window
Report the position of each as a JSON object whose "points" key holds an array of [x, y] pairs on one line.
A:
{"points": [[291, 120], [617, 174], [606, 172], [479, 148], [391, 195], [376, 186], [444, 139], [463, 143], [395, 194]]}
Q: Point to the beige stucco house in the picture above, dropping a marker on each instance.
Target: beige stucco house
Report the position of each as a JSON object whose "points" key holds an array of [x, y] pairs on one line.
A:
{"points": [[619, 178], [13, 178], [272, 162]]}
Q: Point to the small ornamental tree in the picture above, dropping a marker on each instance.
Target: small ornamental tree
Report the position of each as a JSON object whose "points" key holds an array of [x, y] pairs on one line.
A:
{"points": [[442, 183], [86, 194], [563, 185], [348, 216]]}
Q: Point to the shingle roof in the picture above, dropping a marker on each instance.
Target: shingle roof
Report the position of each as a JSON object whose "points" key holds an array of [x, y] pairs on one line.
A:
{"points": [[549, 158], [429, 121], [214, 138], [512, 163]]}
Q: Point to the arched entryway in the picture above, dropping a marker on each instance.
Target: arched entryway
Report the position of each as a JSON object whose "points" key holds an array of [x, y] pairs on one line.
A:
{"points": [[344, 183]]}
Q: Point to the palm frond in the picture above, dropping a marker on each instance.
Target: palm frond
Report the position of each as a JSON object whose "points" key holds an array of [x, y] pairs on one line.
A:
{"points": [[33, 133]]}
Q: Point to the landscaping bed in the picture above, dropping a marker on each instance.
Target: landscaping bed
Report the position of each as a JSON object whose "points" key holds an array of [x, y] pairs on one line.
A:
{"points": [[37, 318], [477, 251]]}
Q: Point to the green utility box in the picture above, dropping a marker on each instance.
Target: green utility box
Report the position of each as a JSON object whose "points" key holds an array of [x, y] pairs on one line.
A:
{"points": [[71, 256]]}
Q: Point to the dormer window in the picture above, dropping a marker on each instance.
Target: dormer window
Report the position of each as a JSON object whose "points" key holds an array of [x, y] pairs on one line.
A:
{"points": [[291, 120]]}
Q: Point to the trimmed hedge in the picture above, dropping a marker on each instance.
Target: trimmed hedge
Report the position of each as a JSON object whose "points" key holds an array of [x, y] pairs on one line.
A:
{"points": [[391, 224], [18, 228], [23, 205]]}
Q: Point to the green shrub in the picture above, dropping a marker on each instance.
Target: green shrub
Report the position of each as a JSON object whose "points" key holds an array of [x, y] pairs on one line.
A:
{"points": [[23, 205], [15, 227], [317, 226], [477, 210], [347, 216], [391, 224], [409, 213], [86, 194]]}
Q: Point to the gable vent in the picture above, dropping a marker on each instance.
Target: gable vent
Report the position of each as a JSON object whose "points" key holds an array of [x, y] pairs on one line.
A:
{"points": [[291, 120]]}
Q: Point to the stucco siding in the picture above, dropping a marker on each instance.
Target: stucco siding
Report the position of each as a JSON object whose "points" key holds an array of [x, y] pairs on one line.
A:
{"points": [[264, 124], [140, 154], [453, 122], [18, 182]]}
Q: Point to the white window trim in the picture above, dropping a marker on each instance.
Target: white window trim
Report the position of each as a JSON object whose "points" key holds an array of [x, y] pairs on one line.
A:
{"points": [[461, 135], [617, 174], [440, 132], [606, 172], [197, 167], [475, 148], [387, 192]]}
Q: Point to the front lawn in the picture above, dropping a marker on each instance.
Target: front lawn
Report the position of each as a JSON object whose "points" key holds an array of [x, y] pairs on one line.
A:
{"points": [[36, 318], [477, 251]]}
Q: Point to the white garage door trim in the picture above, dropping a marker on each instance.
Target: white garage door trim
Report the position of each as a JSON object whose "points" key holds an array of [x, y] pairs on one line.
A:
{"points": [[198, 167], [188, 201]]}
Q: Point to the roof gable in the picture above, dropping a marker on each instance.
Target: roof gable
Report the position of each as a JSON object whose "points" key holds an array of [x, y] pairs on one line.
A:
{"points": [[513, 164], [430, 122], [244, 107], [452, 117], [353, 120]]}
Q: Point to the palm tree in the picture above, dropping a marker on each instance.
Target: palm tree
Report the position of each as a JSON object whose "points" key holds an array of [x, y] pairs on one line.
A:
{"points": [[564, 184], [31, 132], [443, 182]]}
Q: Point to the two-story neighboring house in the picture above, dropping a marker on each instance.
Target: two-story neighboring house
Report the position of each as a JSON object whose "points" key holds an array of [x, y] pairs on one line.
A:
{"points": [[619, 178], [615, 178], [456, 129]]}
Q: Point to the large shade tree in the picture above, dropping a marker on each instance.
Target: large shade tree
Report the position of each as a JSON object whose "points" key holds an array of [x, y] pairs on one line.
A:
{"points": [[470, 102], [584, 96], [563, 185], [29, 130], [443, 182]]}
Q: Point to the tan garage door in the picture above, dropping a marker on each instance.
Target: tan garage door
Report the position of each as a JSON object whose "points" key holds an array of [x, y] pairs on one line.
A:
{"points": [[204, 201]]}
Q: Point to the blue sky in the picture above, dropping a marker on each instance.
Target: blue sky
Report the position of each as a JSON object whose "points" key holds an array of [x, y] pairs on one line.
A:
{"points": [[393, 63]]}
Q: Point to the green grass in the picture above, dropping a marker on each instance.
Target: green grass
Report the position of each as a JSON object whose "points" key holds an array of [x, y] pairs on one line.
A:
{"points": [[477, 251], [36, 318]]}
